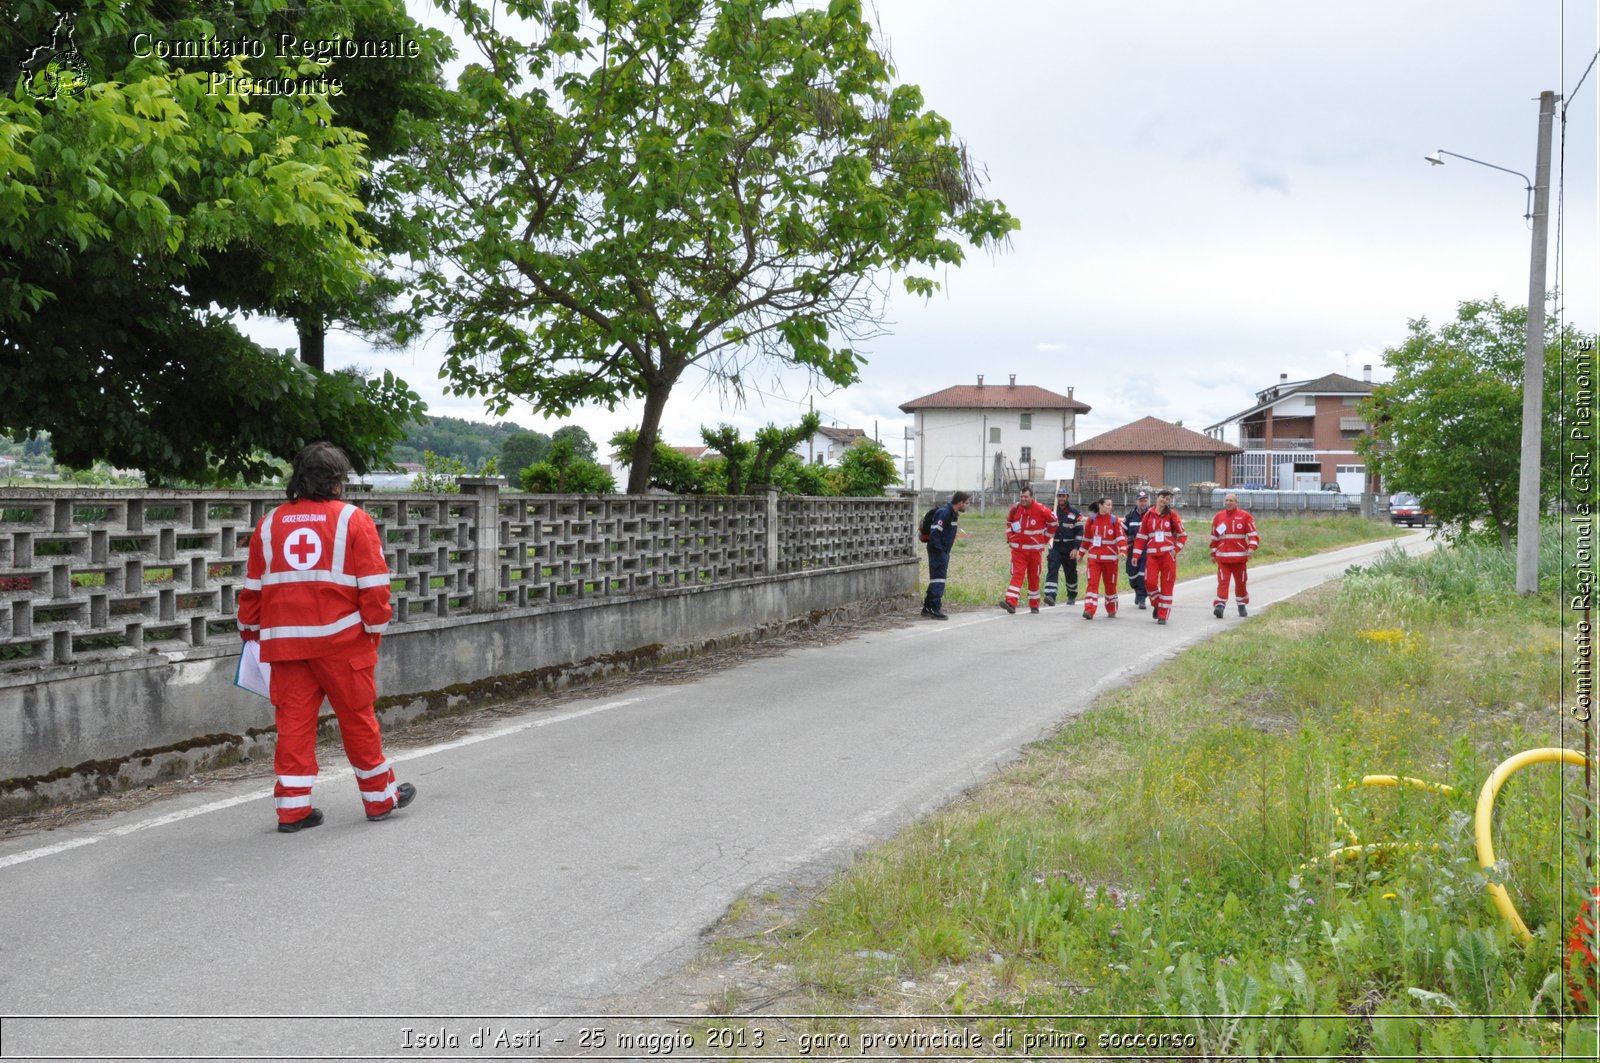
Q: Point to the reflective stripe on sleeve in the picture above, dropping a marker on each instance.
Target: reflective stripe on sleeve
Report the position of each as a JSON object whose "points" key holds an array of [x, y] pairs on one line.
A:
{"points": [[375, 629], [251, 584], [364, 582]]}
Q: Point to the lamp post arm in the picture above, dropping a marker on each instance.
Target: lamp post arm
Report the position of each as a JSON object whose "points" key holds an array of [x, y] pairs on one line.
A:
{"points": [[1492, 166]]}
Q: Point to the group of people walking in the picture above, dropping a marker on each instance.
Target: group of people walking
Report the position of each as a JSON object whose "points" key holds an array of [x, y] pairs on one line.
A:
{"points": [[1147, 541]]}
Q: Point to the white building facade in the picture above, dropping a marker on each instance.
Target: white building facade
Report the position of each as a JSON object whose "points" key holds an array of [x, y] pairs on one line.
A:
{"points": [[987, 436]]}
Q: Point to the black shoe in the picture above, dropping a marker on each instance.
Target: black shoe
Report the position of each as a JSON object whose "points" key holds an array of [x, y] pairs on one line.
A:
{"points": [[1072, 599], [937, 614], [1138, 605], [1161, 620], [1033, 608], [1008, 607], [927, 610], [404, 794], [1050, 599], [1217, 612], [1242, 610], [1088, 615], [313, 820]]}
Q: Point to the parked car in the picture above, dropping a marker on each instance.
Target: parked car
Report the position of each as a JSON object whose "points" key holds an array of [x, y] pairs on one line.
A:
{"points": [[1405, 509], [1332, 485]]}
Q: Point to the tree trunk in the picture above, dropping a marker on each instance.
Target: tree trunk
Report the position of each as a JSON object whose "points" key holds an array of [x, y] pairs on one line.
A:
{"points": [[644, 449], [1505, 535], [313, 343]]}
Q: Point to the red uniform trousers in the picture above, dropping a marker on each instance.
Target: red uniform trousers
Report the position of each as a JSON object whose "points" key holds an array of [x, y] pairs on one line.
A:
{"points": [[1102, 573], [1025, 563], [298, 688], [1160, 575], [1236, 572]]}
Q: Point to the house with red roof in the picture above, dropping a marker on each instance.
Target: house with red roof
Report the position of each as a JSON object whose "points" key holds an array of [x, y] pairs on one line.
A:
{"points": [[986, 437], [1156, 452], [1300, 434]]}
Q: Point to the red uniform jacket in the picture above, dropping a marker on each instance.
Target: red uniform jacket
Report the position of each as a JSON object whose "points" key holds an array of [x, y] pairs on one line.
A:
{"points": [[1030, 528], [1103, 538], [1233, 537], [316, 583], [1160, 533]]}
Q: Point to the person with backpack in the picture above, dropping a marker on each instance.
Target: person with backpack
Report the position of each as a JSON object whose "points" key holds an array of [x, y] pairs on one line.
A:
{"points": [[1030, 528], [938, 529], [1064, 551]]}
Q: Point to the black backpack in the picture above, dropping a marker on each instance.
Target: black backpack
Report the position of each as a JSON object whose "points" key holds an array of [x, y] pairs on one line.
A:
{"points": [[925, 528]]}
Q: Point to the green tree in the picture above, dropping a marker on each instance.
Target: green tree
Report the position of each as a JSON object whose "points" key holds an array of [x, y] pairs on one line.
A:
{"points": [[522, 449], [753, 465], [628, 188], [564, 472], [1448, 427], [582, 446], [114, 199], [865, 469], [670, 469]]}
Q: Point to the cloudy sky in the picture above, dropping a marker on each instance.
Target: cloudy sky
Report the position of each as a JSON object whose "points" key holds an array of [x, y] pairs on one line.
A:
{"points": [[1210, 195]]}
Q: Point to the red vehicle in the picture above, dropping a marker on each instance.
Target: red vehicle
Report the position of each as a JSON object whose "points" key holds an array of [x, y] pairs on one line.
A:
{"points": [[1405, 509]]}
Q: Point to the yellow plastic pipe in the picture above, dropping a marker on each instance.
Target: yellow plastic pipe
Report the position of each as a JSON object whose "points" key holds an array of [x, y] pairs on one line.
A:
{"points": [[1483, 821]]}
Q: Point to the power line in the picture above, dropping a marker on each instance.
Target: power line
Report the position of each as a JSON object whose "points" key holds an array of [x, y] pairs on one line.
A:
{"points": [[1568, 101]]}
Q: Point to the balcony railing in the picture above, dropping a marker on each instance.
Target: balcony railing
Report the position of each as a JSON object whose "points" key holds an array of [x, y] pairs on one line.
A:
{"points": [[1278, 443]]}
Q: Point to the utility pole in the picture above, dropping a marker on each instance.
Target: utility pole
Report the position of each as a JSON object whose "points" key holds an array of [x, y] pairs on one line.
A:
{"points": [[1533, 364]]}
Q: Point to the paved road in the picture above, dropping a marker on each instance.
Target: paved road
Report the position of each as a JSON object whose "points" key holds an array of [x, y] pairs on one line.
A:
{"points": [[565, 857]]}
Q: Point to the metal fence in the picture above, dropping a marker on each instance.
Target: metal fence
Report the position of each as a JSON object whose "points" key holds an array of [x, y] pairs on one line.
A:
{"points": [[93, 574]]}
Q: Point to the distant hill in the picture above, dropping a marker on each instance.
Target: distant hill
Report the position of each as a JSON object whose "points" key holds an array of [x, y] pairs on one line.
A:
{"points": [[468, 442]]}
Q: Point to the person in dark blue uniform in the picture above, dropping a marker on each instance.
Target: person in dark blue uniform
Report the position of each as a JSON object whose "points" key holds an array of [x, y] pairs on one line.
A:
{"points": [[1064, 550], [942, 534], [1136, 559]]}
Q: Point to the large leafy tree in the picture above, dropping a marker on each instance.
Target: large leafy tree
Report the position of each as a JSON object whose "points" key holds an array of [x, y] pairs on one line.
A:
{"points": [[115, 201], [633, 187], [1448, 427]]}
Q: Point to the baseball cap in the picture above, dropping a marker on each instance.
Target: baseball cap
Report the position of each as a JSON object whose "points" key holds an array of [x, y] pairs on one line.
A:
{"points": [[1144, 494], [1062, 492]]}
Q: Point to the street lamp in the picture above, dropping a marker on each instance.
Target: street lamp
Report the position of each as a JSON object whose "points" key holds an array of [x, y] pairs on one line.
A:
{"points": [[1538, 211], [1526, 184]]}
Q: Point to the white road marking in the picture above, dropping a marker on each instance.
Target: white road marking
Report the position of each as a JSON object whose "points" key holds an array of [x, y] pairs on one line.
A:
{"points": [[338, 773]]}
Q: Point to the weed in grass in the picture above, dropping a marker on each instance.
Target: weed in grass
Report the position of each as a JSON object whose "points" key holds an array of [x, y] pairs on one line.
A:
{"points": [[1177, 862]]}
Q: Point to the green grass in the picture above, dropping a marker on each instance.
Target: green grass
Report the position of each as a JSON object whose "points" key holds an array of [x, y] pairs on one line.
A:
{"points": [[1155, 858], [980, 564]]}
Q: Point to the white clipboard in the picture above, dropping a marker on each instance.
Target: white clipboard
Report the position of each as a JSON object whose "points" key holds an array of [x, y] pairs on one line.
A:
{"points": [[253, 674]]}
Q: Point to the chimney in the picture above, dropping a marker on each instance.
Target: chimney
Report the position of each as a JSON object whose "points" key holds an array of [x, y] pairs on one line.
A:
{"points": [[1366, 373], [1283, 378], [1069, 391], [1013, 380], [980, 380]]}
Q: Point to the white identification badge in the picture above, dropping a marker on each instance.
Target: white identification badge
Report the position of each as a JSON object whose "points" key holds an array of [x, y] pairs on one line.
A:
{"points": [[1161, 537], [1097, 540]]}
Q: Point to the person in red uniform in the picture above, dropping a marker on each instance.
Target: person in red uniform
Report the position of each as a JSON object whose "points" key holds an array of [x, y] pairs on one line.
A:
{"points": [[1160, 540], [1233, 540], [1030, 527], [1103, 544], [316, 597]]}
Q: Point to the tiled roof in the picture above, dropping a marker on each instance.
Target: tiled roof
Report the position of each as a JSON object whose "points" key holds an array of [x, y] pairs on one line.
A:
{"points": [[693, 452], [1155, 436], [995, 397], [1332, 384], [842, 435]]}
